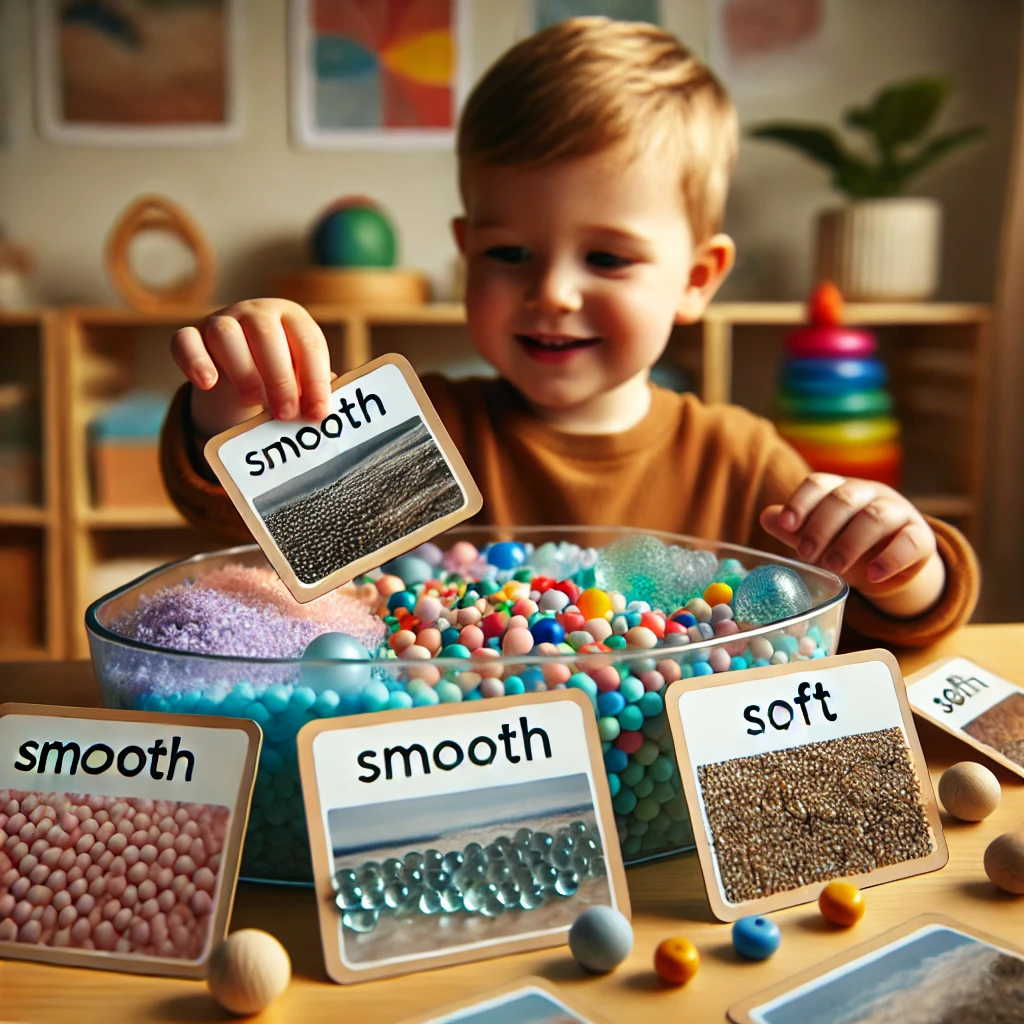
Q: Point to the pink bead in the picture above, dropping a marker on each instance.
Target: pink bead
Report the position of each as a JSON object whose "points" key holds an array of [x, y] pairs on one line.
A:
{"points": [[183, 844], [50, 856], [30, 931], [556, 675], [726, 627], [20, 887], [168, 856], [516, 643], [807, 645], [606, 678], [205, 879], [116, 885], [469, 616], [201, 903], [428, 609], [67, 917], [492, 688], [430, 638], [147, 890], [653, 680], [599, 629], [471, 637], [22, 912], [148, 854], [524, 607], [166, 900], [56, 880], [719, 660], [414, 653], [129, 897], [78, 887], [149, 909]]}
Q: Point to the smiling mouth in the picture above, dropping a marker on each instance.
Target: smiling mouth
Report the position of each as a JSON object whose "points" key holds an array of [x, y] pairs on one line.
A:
{"points": [[555, 342]]}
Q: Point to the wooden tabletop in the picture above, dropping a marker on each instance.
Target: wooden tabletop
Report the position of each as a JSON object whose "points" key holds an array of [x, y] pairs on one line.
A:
{"points": [[668, 899]]}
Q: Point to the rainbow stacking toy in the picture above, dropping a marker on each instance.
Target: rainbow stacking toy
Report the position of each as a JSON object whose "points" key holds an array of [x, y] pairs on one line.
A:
{"points": [[833, 405]]}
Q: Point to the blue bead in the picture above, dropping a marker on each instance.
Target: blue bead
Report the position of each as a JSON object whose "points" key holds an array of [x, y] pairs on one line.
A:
{"points": [[473, 695], [755, 938], [610, 704], [818, 653], [514, 685], [302, 698], [455, 651], [685, 619], [633, 619], [346, 674], [207, 706], [631, 718], [506, 554], [493, 642], [449, 636], [375, 697], [760, 663], [425, 698], [257, 711], [614, 784], [769, 593], [615, 760], [737, 664], [275, 698], [547, 631], [326, 704], [399, 699], [581, 681], [651, 704], [702, 668], [632, 689], [409, 569], [402, 599]]}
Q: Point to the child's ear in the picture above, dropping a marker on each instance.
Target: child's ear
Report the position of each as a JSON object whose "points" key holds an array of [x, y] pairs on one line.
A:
{"points": [[711, 262], [459, 233]]}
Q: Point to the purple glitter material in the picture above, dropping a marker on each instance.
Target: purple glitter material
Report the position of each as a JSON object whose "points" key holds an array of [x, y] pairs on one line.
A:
{"points": [[203, 620]]}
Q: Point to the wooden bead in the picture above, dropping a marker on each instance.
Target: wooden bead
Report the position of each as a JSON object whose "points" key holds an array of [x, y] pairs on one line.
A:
{"points": [[248, 971], [676, 961], [841, 903], [1004, 862], [969, 791]]}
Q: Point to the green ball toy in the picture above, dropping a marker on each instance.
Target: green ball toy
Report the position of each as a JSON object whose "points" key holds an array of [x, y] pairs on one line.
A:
{"points": [[353, 232]]}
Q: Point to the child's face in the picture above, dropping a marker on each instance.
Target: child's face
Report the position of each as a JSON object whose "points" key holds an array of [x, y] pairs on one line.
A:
{"points": [[577, 271]]}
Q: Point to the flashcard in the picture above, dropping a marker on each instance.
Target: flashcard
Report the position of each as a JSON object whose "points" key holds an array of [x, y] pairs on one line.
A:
{"points": [[120, 835], [802, 773], [327, 501], [930, 970], [528, 1001], [974, 705], [457, 832]]}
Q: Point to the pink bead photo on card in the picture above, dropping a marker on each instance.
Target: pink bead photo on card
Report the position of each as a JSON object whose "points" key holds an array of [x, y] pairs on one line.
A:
{"points": [[120, 836]]}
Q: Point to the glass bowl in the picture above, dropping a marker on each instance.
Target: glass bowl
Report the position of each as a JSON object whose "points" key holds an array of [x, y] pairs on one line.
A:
{"points": [[651, 813]]}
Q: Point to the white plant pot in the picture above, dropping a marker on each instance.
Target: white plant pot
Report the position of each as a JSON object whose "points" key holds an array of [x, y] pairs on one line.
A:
{"points": [[881, 250]]}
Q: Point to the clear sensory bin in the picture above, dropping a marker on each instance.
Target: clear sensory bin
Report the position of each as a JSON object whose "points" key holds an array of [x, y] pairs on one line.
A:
{"points": [[482, 613]]}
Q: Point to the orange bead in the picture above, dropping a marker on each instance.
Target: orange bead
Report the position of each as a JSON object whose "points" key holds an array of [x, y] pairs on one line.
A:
{"points": [[676, 961], [841, 903], [594, 604], [718, 593]]}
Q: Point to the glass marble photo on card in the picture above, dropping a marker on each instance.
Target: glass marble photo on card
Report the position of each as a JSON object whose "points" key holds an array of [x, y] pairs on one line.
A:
{"points": [[329, 500]]}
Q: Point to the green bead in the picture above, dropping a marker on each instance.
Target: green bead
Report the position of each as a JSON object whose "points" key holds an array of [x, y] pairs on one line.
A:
{"points": [[631, 718], [632, 774], [448, 693], [647, 809], [616, 643], [523, 575], [662, 768], [624, 802], [608, 728], [632, 689], [638, 827], [455, 651], [664, 792], [632, 845], [645, 787], [581, 681], [565, 648], [651, 704], [648, 752], [488, 587]]}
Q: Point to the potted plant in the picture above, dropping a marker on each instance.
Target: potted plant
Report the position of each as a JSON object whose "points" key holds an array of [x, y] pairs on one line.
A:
{"points": [[881, 245]]}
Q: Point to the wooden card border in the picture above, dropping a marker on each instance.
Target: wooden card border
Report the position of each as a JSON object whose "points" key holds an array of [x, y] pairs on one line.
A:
{"points": [[530, 981], [323, 872], [305, 592], [230, 859], [806, 893], [959, 734], [740, 1013]]}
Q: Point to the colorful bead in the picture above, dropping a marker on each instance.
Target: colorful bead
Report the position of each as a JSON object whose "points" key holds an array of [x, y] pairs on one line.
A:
{"points": [[676, 961], [841, 903], [755, 938]]}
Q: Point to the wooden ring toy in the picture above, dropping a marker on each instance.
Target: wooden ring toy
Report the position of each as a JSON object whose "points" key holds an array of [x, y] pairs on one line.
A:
{"points": [[832, 376], [842, 432], [158, 213], [827, 407], [823, 341]]}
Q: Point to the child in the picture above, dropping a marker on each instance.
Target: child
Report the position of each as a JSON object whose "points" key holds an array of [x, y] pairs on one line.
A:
{"points": [[594, 160]]}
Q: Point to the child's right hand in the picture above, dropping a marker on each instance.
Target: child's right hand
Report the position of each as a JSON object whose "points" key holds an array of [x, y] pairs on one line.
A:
{"points": [[254, 355]]}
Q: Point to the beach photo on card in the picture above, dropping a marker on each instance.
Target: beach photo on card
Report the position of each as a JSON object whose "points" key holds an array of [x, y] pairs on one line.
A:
{"points": [[123, 875], [935, 975], [431, 875], [810, 813], [524, 1006], [360, 501]]}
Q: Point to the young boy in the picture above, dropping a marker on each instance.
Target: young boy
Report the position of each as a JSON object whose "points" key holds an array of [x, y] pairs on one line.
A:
{"points": [[594, 160]]}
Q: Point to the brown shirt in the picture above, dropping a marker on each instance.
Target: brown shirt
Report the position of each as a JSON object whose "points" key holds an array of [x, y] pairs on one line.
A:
{"points": [[706, 471]]}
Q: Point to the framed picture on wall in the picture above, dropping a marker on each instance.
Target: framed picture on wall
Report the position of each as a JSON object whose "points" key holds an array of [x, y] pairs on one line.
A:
{"points": [[548, 12], [377, 74], [139, 72]]}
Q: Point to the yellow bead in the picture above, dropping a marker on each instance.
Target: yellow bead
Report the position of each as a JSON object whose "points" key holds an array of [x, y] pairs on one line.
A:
{"points": [[594, 604], [718, 593], [676, 960], [841, 903]]}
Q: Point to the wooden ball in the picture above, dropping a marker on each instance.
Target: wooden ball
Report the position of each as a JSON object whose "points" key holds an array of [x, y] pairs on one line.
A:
{"points": [[1004, 862], [969, 791], [248, 971]]}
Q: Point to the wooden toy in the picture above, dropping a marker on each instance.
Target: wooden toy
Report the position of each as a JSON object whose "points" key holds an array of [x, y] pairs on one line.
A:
{"points": [[676, 960], [158, 213], [755, 937], [248, 971], [600, 939], [969, 791], [1004, 862], [841, 903]]}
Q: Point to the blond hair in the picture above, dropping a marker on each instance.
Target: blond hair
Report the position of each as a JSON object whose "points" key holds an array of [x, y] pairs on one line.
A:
{"points": [[589, 84]]}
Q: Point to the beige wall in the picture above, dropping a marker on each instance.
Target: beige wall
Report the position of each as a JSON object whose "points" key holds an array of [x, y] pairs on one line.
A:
{"points": [[256, 197]]}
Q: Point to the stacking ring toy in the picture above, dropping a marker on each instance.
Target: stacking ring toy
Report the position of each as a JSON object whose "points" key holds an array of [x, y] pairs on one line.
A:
{"points": [[826, 342], [882, 462], [827, 407], [832, 376], [841, 432]]}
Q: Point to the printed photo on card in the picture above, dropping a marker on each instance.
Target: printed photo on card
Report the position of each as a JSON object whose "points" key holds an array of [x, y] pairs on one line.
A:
{"points": [[457, 832], [799, 774], [975, 705], [330, 500], [120, 835], [529, 1001], [930, 970]]}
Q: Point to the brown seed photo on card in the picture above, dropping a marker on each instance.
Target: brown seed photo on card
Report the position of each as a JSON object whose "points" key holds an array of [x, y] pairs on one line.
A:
{"points": [[802, 774], [329, 500]]}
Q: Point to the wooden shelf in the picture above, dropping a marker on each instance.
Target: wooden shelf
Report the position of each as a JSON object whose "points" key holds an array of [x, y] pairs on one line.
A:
{"points": [[24, 515], [875, 314], [132, 518]]}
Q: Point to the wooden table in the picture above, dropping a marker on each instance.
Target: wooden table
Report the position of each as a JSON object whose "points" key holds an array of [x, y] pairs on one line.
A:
{"points": [[668, 899]]}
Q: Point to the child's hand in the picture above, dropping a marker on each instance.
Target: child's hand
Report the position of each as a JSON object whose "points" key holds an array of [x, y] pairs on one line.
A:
{"points": [[866, 532], [263, 353]]}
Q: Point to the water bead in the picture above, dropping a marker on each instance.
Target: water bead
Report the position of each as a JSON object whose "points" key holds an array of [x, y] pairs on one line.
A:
{"points": [[769, 593], [334, 647]]}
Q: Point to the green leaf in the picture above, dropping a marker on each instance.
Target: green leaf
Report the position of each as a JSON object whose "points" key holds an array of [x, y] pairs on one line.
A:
{"points": [[938, 148], [901, 113], [820, 144]]}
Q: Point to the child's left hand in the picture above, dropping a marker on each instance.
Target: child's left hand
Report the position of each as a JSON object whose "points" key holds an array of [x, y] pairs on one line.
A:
{"points": [[865, 532]]}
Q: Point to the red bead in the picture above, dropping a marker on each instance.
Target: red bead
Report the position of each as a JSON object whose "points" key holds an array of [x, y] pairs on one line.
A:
{"points": [[674, 627], [570, 589], [630, 742], [654, 622], [541, 583], [594, 648], [571, 622], [493, 624]]}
